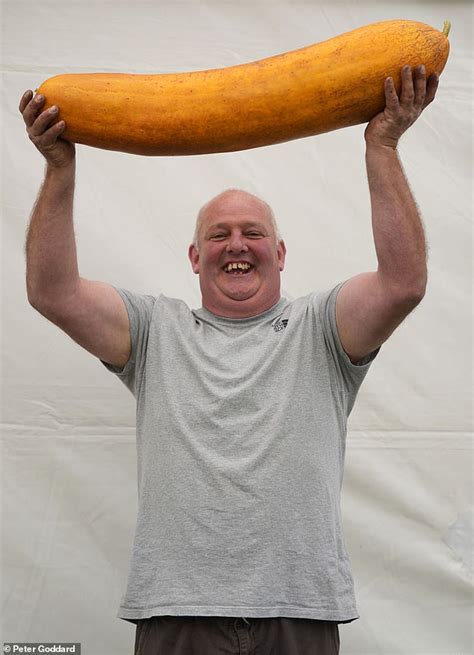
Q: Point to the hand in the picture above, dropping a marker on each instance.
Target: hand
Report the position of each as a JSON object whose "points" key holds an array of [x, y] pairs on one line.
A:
{"points": [[44, 132], [387, 127]]}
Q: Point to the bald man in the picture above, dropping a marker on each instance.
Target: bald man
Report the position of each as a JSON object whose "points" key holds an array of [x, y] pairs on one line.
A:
{"points": [[242, 404]]}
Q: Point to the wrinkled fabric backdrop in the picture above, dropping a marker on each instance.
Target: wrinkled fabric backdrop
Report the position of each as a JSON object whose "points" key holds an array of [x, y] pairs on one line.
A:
{"points": [[69, 464]]}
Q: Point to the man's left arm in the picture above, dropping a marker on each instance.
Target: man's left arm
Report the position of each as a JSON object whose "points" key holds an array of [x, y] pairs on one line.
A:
{"points": [[371, 305]]}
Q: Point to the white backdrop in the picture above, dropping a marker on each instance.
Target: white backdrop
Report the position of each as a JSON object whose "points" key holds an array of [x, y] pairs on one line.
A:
{"points": [[69, 463]]}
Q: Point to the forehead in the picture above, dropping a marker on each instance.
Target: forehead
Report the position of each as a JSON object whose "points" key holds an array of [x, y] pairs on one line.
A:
{"points": [[235, 208]]}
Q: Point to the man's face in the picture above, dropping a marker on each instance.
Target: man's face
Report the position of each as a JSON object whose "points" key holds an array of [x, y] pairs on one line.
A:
{"points": [[237, 230]]}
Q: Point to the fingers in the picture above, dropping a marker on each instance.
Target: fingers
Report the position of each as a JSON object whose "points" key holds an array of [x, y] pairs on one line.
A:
{"points": [[31, 111], [43, 121], [420, 87], [416, 90], [49, 136], [407, 93], [42, 126], [37, 121], [431, 89], [25, 98], [45, 131], [391, 98]]}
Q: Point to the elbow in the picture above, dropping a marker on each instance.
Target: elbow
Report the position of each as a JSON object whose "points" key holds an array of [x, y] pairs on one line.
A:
{"points": [[406, 299], [412, 292], [39, 304], [406, 292], [32, 294], [33, 297], [33, 302], [417, 289], [415, 298]]}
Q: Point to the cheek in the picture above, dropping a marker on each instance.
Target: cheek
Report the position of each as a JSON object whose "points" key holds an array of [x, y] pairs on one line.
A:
{"points": [[211, 257], [267, 254]]}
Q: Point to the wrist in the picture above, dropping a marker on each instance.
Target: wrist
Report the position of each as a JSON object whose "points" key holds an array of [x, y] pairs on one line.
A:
{"points": [[68, 163], [379, 135], [64, 169], [374, 146]]}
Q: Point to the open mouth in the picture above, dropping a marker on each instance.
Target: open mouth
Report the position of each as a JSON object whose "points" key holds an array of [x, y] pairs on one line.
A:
{"points": [[237, 268]]}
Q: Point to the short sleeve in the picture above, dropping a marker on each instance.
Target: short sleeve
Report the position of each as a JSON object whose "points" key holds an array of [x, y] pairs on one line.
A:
{"points": [[140, 310], [351, 375]]}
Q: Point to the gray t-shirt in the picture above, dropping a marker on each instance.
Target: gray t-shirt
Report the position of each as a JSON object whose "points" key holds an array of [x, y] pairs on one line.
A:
{"points": [[241, 427]]}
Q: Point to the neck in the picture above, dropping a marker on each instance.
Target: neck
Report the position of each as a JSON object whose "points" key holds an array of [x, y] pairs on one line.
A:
{"points": [[240, 308]]}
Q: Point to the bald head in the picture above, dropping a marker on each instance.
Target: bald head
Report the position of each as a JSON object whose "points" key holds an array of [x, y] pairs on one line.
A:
{"points": [[221, 199]]}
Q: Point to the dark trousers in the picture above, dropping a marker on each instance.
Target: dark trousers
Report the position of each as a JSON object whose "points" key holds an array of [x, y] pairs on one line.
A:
{"points": [[216, 635]]}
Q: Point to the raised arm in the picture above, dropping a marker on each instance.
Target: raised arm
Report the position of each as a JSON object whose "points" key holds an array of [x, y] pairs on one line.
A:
{"points": [[371, 305], [92, 313]]}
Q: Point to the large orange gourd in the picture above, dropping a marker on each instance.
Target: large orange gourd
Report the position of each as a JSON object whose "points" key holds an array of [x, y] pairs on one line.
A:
{"points": [[323, 87]]}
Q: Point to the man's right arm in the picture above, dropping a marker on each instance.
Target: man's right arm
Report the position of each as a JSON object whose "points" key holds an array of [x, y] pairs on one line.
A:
{"points": [[92, 313]]}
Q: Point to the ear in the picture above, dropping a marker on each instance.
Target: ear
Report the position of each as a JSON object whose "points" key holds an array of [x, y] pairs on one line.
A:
{"points": [[194, 257], [281, 252]]}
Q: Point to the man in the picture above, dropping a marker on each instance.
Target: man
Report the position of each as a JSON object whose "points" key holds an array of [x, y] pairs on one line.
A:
{"points": [[241, 404]]}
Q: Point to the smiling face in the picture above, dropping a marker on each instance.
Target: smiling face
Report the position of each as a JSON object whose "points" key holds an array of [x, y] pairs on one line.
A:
{"points": [[238, 258]]}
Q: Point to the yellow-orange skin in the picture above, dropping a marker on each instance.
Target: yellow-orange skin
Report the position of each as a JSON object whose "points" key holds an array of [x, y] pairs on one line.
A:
{"points": [[323, 87]]}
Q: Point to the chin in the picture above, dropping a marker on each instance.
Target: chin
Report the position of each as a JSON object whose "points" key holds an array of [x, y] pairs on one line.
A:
{"points": [[240, 294]]}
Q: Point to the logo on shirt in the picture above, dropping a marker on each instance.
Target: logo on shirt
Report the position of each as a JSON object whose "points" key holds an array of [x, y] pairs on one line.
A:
{"points": [[279, 324]]}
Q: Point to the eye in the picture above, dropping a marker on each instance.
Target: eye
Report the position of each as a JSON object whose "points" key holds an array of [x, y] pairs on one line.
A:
{"points": [[254, 234], [217, 237]]}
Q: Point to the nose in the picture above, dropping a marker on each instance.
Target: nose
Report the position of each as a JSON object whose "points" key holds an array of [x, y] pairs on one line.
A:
{"points": [[236, 243]]}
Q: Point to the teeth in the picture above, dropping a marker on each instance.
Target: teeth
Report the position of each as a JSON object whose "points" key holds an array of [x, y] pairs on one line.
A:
{"points": [[237, 265]]}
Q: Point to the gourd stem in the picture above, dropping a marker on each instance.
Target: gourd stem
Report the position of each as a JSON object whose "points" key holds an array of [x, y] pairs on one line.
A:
{"points": [[446, 27]]}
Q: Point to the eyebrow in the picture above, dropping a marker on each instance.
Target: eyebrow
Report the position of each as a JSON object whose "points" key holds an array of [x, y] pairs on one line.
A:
{"points": [[247, 224]]}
